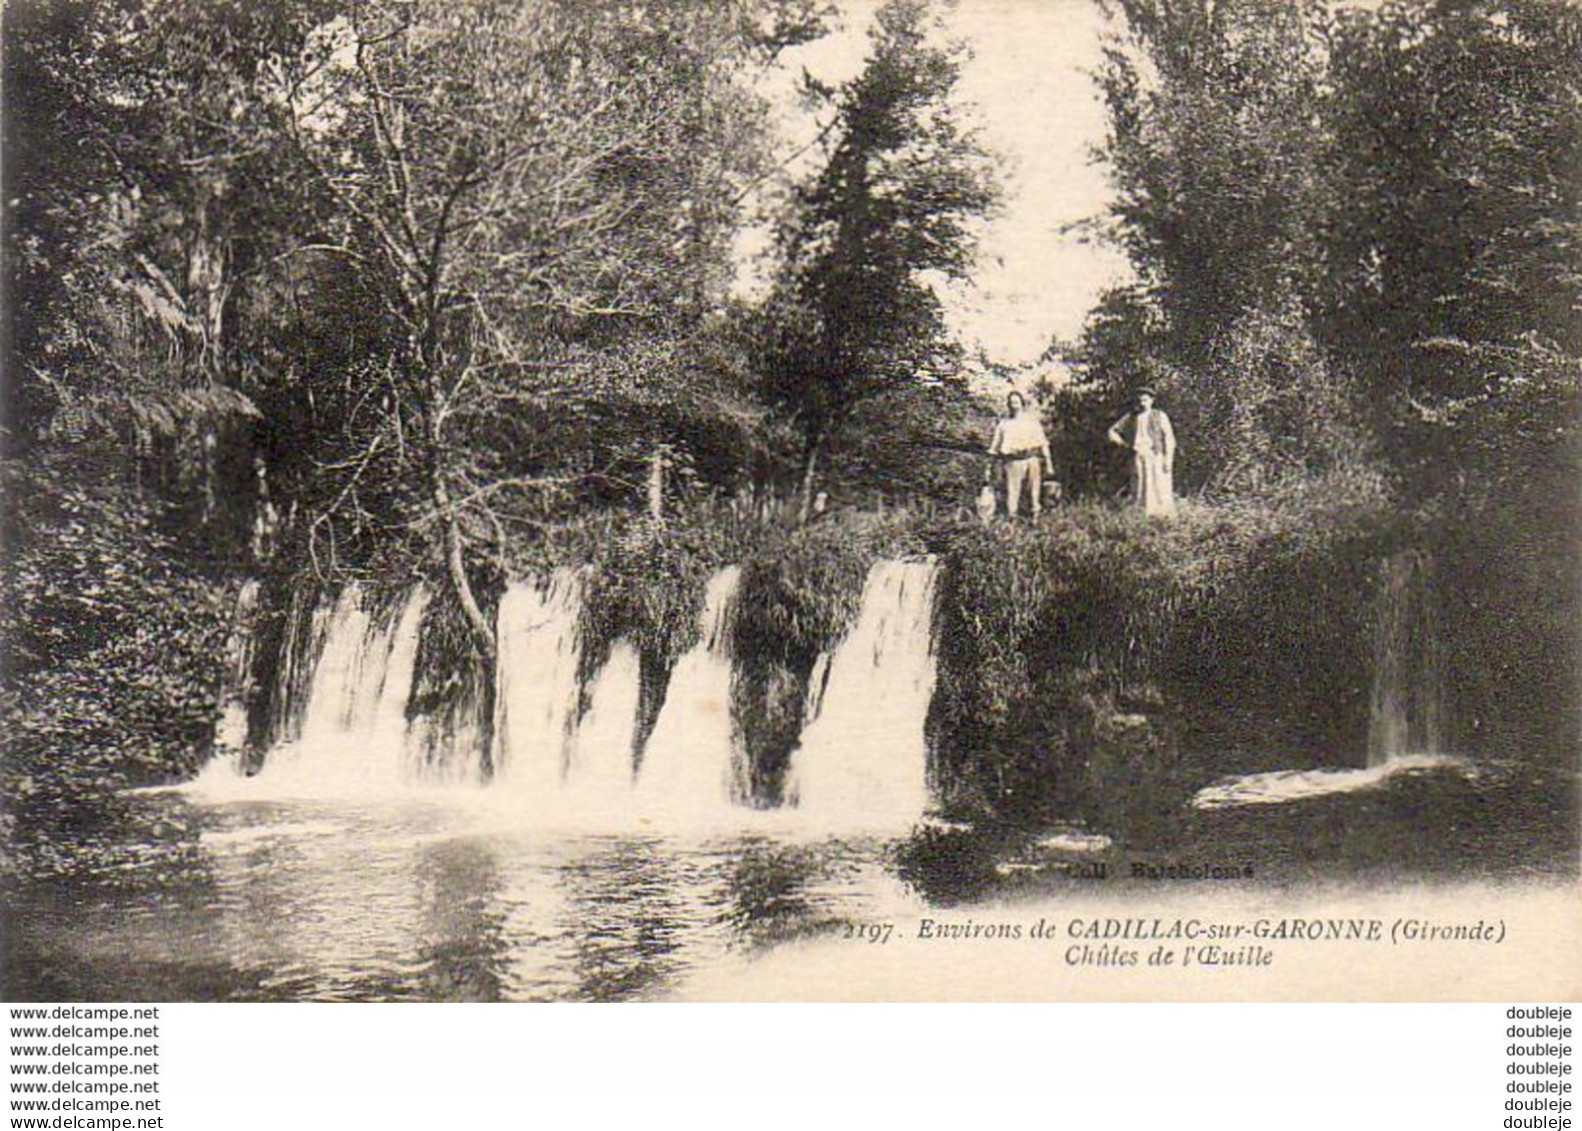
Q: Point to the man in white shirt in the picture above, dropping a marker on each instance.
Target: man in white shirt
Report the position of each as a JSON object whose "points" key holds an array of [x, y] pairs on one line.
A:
{"points": [[1019, 442]]}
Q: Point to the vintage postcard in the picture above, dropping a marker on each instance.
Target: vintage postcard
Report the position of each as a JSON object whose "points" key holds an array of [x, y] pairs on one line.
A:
{"points": [[787, 500]]}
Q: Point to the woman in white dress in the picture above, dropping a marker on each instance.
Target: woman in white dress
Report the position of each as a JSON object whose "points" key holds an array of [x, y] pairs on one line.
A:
{"points": [[1147, 433]]}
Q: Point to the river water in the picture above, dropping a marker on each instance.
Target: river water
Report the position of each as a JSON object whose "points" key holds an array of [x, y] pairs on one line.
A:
{"points": [[447, 896], [427, 900]]}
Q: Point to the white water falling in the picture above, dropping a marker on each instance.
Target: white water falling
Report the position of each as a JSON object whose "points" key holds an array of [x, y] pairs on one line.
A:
{"points": [[690, 766], [338, 676], [536, 688], [353, 733], [1406, 711], [445, 748], [369, 743], [600, 766], [307, 627], [230, 733], [863, 758]]}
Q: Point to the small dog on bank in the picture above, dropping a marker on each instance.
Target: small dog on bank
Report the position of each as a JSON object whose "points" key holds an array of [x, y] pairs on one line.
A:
{"points": [[987, 503]]}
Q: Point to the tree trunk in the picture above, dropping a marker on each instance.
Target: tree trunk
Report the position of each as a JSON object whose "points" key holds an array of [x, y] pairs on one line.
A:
{"points": [[656, 482], [455, 559], [809, 476], [456, 567], [482, 632]]}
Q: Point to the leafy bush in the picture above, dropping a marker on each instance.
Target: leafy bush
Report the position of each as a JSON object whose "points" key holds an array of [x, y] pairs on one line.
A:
{"points": [[1049, 632], [1266, 409], [645, 583], [116, 655], [802, 586]]}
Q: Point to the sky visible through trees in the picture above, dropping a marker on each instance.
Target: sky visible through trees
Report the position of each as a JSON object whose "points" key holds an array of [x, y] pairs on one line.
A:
{"points": [[1027, 84]]}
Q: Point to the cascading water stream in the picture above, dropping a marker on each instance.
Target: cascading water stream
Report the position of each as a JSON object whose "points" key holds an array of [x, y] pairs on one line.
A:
{"points": [[536, 686], [564, 750], [863, 758], [353, 732], [306, 629], [338, 676], [691, 765], [1406, 715], [600, 765], [377, 718]]}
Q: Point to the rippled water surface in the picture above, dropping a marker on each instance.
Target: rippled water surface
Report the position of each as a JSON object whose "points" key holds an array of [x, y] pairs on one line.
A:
{"points": [[441, 896], [410, 900]]}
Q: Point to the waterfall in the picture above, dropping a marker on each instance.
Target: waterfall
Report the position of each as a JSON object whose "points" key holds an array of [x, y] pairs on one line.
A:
{"points": [[280, 711], [863, 758], [353, 728], [690, 764], [1406, 711], [536, 684], [338, 676], [1406, 714], [566, 744], [599, 768]]}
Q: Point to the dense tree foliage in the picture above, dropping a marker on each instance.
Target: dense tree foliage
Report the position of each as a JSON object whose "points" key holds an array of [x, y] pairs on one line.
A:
{"points": [[1453, 290], [854, 317], [519, 191], [1347, 222], [408, 268], [338, 289], [144, 253], [1355, 230]]}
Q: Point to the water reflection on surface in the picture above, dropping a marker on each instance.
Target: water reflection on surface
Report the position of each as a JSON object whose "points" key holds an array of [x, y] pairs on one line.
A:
{"points": [[417, 902], [459, 898]]}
